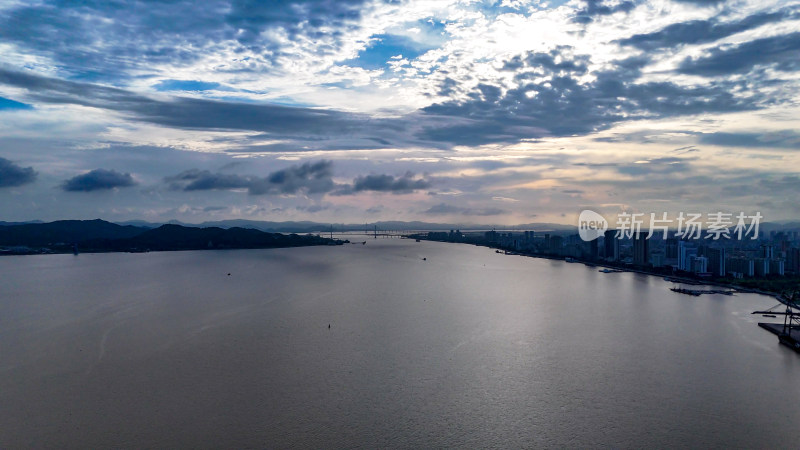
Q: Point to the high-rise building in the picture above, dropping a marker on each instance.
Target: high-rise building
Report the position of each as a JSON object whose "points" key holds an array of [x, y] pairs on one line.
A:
{"points": [[594, 249], [793, 260], [671, 248], [699, 264], [761, 266], [685, 254], [743, 266], [641, 254], [611, 245], [657, 259], [777, 267], [556, 242], [716, 261]]}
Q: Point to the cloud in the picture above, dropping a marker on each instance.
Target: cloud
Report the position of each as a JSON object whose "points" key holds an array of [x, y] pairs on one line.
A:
{"points": [[311, 178], [661, 166], [701, 2], [445, 209], [701, 31], [789, 183], [778, 51], [12, 175], [111, 40], [307, 178], [184, 112], [203, 180], [98, 179], [387, 183], [552, 97], [785, 139], [556, 101], [595, 8]]}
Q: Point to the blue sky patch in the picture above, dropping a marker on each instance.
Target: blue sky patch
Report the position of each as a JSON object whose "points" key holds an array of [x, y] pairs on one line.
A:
{"points": [[6, 103], [382, 48], [187, 85]]}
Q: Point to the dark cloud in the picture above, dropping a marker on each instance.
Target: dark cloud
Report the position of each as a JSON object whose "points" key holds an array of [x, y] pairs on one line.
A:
{"points": [[595, 8], [662, 166], [443, 209], [564, 105], [97, 180], [14, 175], [558, 60], [557, 102], [701, 2], [106, 40], [786, 139], [203, 180], [387, 183], [789, 183], [686, 149], [781, 52], [311, 178], [312, 208], [307, 178], [188, 113], [701, 31]]}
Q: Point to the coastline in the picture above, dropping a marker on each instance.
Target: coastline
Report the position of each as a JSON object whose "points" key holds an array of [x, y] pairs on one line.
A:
{"points": [[624, 268]]}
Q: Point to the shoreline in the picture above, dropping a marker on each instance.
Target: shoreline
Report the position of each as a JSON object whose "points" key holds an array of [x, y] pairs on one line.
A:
{"points": [[639, 270]]}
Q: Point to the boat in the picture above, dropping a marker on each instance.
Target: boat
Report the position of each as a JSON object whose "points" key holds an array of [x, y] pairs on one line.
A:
{"points": [[769, 315], [570, 260], [610, 270], [686, 291]]}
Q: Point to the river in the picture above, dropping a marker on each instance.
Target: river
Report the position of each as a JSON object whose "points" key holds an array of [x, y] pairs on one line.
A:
{"points": [[394, 343]]}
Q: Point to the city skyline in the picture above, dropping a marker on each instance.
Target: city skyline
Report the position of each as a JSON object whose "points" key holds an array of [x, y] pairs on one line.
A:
{"points": [[507, 112]]}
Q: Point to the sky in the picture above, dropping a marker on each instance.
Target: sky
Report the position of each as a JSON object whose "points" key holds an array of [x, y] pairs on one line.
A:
{"points": [[354, 111]]}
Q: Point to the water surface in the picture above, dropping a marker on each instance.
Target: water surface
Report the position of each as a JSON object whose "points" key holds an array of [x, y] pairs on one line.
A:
{"points": [[468, 348]]}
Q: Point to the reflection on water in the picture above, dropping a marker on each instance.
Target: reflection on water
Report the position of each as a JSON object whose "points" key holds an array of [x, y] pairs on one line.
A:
{"points": [[464, 348]]}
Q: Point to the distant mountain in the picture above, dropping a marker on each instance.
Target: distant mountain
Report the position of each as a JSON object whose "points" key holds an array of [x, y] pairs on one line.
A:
{"points": [[99, 235], [6, 224], [177, 237], [64, 232], [317, 227]]}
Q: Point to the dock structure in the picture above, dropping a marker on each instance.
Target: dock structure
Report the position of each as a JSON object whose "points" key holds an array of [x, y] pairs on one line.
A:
{"points": [[788, 332]]}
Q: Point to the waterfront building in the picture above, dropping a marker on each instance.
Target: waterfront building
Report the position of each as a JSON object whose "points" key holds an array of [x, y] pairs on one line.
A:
{"points": [[611, 245], [699, 264], [777, 267], [716, 261], [739, 265], [685, 255], [761, 266], [640, 249]]}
